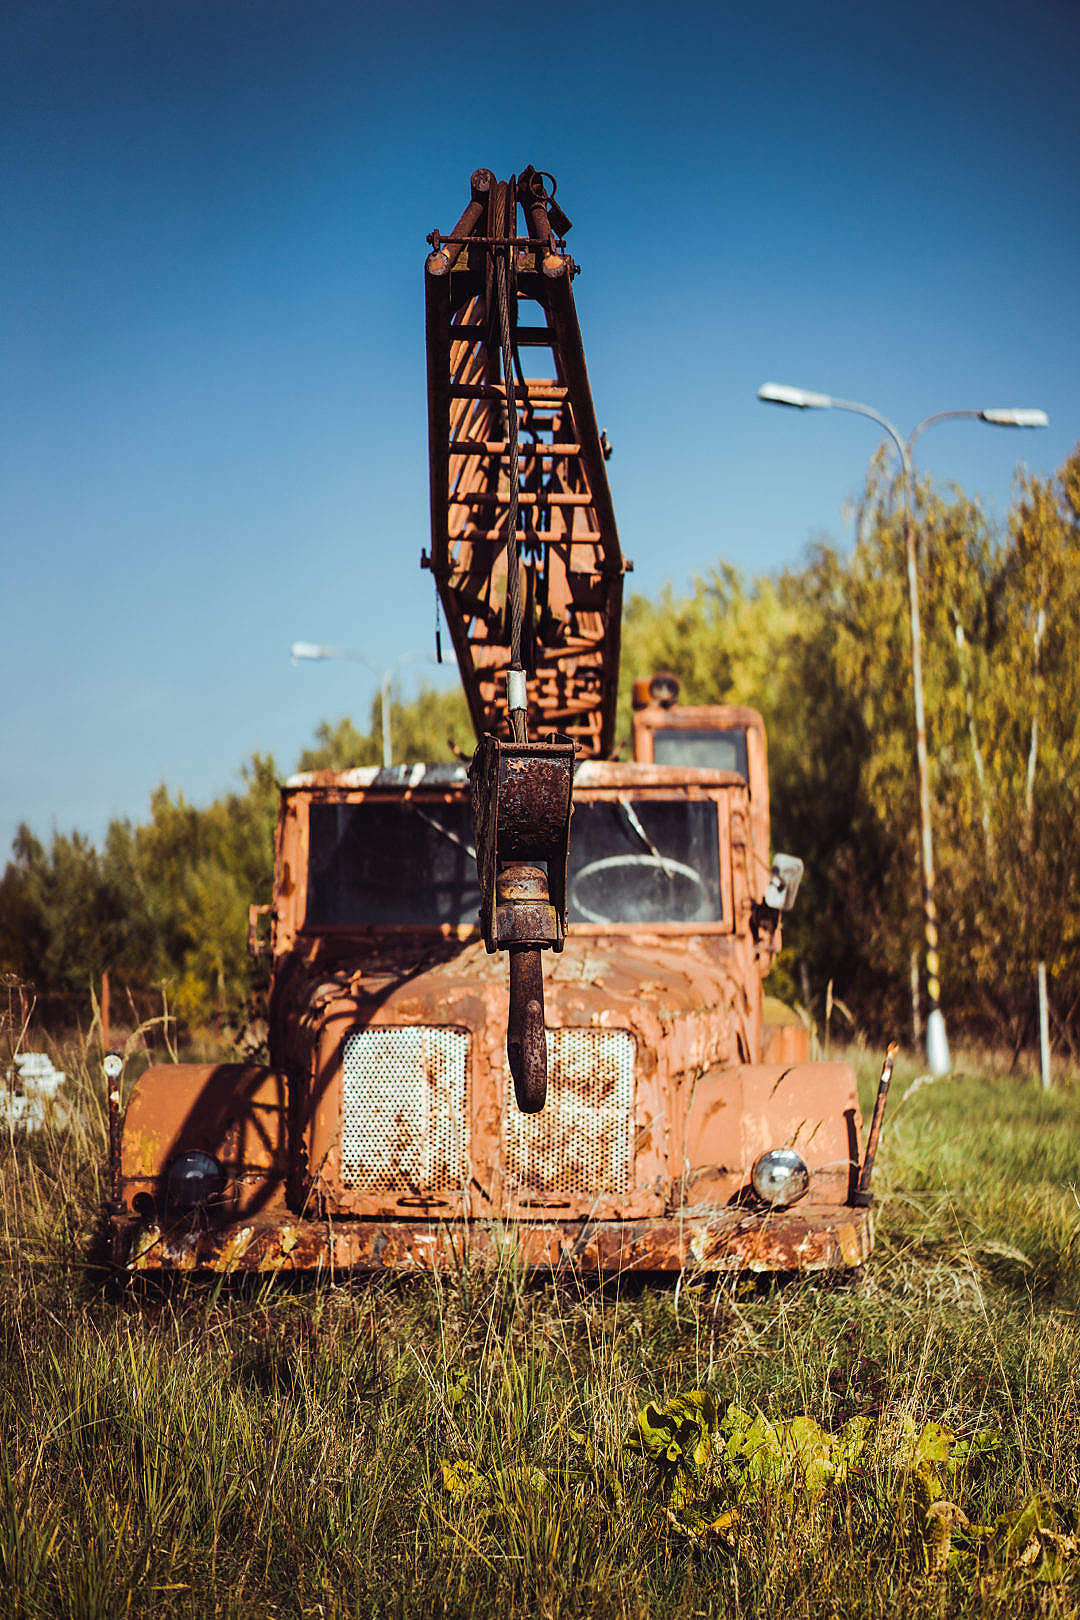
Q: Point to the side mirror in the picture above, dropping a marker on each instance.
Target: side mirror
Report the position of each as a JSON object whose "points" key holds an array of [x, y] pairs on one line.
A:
{"points": [[784, 880]]}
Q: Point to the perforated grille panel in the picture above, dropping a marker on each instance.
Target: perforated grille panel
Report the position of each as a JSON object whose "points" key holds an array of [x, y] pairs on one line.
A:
{"points": [[582, 1141], [404, 1118]]}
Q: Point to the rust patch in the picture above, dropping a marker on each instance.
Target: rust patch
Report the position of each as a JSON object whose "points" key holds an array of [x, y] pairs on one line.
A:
{"points": [[813, 1238]]}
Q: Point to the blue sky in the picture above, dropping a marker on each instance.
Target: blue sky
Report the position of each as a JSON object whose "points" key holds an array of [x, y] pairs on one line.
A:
{"points": [[212, 391]]}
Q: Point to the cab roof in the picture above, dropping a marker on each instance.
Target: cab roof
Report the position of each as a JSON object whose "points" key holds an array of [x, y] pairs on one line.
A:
{"points": [[588, 773]]}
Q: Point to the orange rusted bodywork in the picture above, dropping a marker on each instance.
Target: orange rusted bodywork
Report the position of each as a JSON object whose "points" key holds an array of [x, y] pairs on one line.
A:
{"points": [[659, 1101], [712, 718], [384, 1131], [235, 1111]]}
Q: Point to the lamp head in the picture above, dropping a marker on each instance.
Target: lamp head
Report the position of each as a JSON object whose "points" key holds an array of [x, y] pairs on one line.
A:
{"points": [[802, 398], [1016, 418], [307, 649]]}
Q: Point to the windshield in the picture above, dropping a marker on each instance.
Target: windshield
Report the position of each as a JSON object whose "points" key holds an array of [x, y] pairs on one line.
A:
{"points": [[645, 861], [396, 863]]}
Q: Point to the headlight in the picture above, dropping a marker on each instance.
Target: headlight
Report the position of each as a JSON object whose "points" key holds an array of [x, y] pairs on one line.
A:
{"points": [[192, 1179], [780, 1177]]}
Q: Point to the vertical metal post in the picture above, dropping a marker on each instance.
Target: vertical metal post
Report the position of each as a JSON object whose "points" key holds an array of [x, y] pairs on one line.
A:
{"points": [[916, 1014], [1044, 1028], [113, 1066], [937, 1043], [1029, 805], [384, 708]]}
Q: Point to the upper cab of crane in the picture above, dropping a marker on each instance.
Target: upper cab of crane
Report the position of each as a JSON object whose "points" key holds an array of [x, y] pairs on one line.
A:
{"points": [[715, 736]]}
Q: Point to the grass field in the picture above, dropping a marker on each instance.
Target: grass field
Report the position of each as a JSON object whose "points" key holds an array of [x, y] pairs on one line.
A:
{"points": [[278, 1450]]}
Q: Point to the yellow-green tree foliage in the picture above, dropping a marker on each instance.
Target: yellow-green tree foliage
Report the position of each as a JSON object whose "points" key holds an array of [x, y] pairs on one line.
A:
{"points": [[823, 650], [425, 730], [167, 900]]}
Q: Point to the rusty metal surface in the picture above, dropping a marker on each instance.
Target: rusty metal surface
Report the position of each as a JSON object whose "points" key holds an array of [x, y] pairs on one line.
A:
{"points": [[584, 1146], [521, 797], [740, 1111], [524, 914], [571, 568], [863, 1195], [691, 1011], [811, 1238], [385, 1133], [116, 1203], [397, 1103], [682, 1003], [593, 780], [785, 1043], [404, 1126], [237, 1113], [526, 1039], [522, 800], [604, 774], [688, 999], [653, 717]]}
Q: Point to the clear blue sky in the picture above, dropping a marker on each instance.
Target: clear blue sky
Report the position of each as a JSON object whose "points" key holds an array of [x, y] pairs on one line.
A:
{"points": [[214, 434]]}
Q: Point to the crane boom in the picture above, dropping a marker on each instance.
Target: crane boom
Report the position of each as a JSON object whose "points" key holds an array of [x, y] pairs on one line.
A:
{"points": [[570, 564]]}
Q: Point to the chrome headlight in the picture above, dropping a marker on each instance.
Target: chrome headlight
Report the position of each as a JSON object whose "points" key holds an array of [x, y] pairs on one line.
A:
{"points": [[780, 1177], [193, 1178]]}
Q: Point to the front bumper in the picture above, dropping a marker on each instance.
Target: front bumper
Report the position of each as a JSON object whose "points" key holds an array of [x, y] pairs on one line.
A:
{"points": [[810, 1237]]}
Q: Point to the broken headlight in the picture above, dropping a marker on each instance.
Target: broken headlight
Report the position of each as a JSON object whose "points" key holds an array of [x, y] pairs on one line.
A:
{"points": [[193, 1178]]}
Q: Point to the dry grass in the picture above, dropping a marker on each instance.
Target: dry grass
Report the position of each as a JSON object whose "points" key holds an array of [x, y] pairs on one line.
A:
{"points": [[274, 1449]]}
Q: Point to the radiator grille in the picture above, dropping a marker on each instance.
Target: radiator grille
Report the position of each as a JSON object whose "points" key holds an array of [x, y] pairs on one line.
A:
{"points": [[582, 1141], [404, 1118]]}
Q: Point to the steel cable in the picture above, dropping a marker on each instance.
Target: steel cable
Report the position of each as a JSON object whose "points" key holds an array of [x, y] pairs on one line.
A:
{"points": [[513, 564]]}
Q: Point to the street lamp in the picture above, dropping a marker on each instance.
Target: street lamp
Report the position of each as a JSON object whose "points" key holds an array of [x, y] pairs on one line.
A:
{"points": [[937, 1044], [312, 651]]}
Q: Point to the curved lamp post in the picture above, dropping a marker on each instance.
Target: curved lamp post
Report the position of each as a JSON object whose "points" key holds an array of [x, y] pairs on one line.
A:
{"points": [[314, 652], [937, 1044]]}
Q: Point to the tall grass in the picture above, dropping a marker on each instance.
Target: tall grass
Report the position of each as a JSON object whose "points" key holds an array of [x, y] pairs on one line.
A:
{"points": [[274, 1448]]}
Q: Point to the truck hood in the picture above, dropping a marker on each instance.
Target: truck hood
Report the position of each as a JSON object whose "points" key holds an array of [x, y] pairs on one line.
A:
{"points": [[680, 991]]}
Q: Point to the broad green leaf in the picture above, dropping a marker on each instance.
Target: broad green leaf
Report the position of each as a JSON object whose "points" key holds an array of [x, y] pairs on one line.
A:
{"points": [[457, 1385], [461, 1480], [1037, 1538], [932, 1445], [980, 1444], [680, 1432]]}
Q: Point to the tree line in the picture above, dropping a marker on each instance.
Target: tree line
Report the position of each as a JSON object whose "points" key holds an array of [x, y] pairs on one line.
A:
{"points": [[823, 650]]}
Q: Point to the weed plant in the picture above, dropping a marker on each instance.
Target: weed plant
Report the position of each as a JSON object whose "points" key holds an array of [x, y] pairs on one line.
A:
{"points": [[275, 1448]]}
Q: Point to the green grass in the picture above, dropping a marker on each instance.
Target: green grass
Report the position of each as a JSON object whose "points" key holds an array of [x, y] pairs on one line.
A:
{"points": [[275, 1449]]}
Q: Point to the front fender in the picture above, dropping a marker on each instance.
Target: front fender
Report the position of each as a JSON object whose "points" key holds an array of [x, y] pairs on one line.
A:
{"points": [[236, 1112], [739, 1112]]}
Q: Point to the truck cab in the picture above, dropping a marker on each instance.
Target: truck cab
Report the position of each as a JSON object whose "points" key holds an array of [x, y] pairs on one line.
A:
{"points": [[384, 1131]]}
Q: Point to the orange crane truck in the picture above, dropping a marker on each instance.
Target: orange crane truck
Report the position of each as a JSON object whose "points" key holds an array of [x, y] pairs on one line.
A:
{"points": [[629, 1107]]}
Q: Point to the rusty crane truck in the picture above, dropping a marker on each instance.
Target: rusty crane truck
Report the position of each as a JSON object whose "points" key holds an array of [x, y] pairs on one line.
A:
{"points": [[628, 1106]]}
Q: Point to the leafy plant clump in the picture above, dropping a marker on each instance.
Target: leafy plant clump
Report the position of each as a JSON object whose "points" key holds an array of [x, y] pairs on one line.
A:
{"points": [[712, 1473]]}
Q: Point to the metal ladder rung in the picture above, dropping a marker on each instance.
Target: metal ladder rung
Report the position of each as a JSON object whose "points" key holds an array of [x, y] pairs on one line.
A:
{"points": [[526, 497], [535, 389], [498, 536], [499, 447], [528, 337]]}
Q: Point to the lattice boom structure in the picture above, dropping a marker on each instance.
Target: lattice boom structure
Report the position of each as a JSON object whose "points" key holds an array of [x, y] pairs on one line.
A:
{"points": [[571, 566]]}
